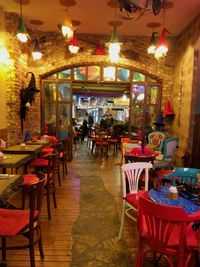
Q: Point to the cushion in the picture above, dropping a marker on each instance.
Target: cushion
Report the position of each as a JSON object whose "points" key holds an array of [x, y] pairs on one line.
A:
{"points": [[39, 163], [13, 221], [29, 179], [132, 199]]}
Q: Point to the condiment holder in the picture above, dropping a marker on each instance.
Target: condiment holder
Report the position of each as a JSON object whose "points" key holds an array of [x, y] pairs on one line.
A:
{"points": [[173, 193]]}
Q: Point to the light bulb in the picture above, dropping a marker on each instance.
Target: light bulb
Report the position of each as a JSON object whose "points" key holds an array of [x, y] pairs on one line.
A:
{"points": [[36, 55], [73, 49], [161, 51], [67, 32], [151, 49], [22, 37]]}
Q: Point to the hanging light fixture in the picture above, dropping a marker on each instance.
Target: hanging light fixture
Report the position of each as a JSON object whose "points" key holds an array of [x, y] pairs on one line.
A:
{"points": [[152, 45], [162, 48], [114, 46], [21, 33], [100, 50], [67, 28], [73, 45], [36, 53]]}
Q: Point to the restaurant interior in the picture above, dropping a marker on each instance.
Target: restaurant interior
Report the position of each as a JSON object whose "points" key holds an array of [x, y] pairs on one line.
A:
{"points": [[99, 133]]}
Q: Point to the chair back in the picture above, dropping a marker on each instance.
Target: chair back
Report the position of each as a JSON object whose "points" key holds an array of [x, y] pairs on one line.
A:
{"points": [[156, 139], [131, 173], [183, 175], [169, 147], [35, 193], [159, 223]]}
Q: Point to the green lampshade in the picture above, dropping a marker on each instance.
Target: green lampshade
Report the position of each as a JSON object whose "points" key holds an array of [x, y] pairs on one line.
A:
{"points": [[21, 26], [114, 37]]}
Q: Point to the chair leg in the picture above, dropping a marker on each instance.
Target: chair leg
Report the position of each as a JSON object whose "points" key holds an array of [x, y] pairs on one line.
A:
{"points": [[58, 173], [48, 204], [31, 249], [140, 253], [54, 199], [40, 246], [122, 220], [3, 242]]}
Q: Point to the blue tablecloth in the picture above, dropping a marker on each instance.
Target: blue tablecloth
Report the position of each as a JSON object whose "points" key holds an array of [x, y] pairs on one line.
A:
{"points": [[161, 197]]}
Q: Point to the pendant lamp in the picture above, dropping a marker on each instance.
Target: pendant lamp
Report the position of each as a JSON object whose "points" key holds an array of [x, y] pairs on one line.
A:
{"points": [[100, 50], [21, 33], [67, 28], [114, 46], [162, 48], [73, 45], [152, 45], [36, 53]]}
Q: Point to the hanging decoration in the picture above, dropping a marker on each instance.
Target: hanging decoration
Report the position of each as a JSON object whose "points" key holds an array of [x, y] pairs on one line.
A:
{"points": [[168, 110], [27, 97], [100, 50], [180, 94], [73, 45], [162, 47]]}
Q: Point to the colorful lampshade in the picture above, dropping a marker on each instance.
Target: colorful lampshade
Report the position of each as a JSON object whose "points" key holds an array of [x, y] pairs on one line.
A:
{"points": [[100, 50], [36, 53], [152, 46], [168, 110], [162, 48], [73, 45]]}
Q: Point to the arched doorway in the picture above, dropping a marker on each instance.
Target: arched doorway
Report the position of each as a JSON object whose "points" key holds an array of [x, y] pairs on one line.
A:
{"points": [[144, 92]]}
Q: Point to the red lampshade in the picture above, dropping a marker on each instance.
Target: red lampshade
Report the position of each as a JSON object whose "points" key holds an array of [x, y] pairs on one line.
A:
{"points": [[168, 110], [73, 45], [100, 50], [162, 40]]}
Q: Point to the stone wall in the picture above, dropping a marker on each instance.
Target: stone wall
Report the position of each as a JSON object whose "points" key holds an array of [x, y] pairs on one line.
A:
{"points": [[183, 87]]}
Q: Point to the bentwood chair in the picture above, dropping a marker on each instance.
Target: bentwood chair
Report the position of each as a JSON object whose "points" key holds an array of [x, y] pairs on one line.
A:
{"points": [[131, 174], [25, 223], [167, 232]]}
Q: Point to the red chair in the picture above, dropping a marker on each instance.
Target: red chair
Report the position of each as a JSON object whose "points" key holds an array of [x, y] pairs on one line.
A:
{"points": [[166, 231], [131, 174], [25, 223]]}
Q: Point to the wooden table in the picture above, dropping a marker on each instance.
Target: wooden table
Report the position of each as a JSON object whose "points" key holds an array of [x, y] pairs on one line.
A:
{"points": [[14, 161], [44, 142], [28, 149], [9, 184]]}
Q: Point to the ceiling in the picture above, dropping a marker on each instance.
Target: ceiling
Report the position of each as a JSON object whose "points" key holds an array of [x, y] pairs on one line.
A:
{"points": [[94, 15]]}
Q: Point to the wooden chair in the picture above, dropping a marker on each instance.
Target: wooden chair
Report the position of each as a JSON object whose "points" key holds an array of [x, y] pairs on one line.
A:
{"points": [[64, 156], [166, 231], [49, 167], [131, 174], [26, 223]]}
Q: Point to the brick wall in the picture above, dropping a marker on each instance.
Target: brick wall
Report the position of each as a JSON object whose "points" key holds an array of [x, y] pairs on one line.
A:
{"points": [[183, 77]]}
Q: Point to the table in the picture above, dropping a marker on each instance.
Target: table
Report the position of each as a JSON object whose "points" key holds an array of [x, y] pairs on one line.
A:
{"points": [[8, 185], [136, 155], [14, 161], [161, 197], [28, 149], [44, 142]]}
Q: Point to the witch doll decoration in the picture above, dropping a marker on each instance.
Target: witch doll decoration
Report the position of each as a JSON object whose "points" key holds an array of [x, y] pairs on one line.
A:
{"points": [[27, 97]]}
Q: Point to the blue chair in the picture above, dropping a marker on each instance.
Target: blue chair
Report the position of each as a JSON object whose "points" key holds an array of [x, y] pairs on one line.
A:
{"points": [[183, 175], [169, 147]]}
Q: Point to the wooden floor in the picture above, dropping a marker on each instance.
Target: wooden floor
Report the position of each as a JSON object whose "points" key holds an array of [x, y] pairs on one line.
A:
{"points": [[57, 240]]}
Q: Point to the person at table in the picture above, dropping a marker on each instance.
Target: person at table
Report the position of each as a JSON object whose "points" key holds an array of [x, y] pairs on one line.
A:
{"points": [[84, 130]]}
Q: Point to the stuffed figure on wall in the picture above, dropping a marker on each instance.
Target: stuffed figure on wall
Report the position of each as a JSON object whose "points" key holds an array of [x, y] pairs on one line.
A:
{"points": [[27, 96]]}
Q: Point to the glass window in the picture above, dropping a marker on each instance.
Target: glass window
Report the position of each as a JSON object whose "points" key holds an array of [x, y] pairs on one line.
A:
{"points": [[138, 95], [109, 73], [65, 74], [63, 121], [52, 77], [80, 73], [138, 77], [50, 118], [93, 73], [63, 91], [49, 92], [123, 75]]}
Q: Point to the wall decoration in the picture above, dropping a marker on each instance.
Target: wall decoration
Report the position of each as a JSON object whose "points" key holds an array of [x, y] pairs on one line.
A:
{"points": [[27, 96]]}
